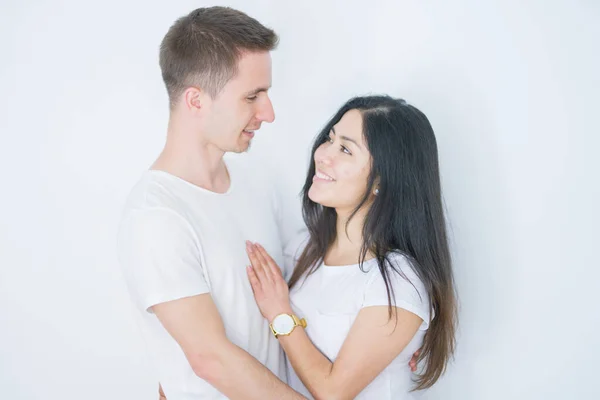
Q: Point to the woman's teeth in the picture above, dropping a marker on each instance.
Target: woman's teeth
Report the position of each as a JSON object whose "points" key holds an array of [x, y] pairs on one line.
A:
{"points": [[321, 175]]}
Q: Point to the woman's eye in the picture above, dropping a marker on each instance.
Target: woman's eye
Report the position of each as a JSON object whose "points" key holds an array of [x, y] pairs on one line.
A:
{"points": [[345, 150]]}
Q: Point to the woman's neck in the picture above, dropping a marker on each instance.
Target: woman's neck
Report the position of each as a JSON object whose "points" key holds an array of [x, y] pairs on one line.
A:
{"points": [[345, 250]]}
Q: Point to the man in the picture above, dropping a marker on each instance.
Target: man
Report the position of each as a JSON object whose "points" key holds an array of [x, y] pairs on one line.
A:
{"points": [[181, 240], [182, 237]]}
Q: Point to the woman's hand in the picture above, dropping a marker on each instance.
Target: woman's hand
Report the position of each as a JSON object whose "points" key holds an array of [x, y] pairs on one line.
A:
{"points": [[270, 289]]}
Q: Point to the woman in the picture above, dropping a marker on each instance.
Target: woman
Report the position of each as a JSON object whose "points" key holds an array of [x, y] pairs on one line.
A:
{"points": [[374, 280]]}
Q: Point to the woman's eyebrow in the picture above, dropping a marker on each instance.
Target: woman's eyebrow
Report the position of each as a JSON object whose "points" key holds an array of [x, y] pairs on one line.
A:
{"points": [[345, 138]]}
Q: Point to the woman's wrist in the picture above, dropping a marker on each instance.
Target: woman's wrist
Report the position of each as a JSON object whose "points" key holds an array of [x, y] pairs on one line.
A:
{"points": [[283, 310]]}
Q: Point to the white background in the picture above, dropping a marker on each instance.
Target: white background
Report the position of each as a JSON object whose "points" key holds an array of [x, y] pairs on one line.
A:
{"points": [[511, 89]]}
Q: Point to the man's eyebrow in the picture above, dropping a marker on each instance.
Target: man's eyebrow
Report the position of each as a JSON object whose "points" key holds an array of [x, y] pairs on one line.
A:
{"points": [[345, 137], [258, 90]]}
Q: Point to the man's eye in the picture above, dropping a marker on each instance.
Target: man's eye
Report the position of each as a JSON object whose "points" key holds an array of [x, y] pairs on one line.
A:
{"points": [[252, 98]]}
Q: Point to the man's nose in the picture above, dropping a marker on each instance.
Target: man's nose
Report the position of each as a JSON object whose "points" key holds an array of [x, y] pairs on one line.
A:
{"points": [[266, 112]]}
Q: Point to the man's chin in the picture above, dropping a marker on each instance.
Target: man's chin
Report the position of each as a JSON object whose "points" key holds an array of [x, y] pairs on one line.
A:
{"points": [[244, 147]]}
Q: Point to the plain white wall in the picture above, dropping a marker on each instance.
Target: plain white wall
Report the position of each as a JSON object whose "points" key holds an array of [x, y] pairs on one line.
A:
{"points": [[511, 89]]}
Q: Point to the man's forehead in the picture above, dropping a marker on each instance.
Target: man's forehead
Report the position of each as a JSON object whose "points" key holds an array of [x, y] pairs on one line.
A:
{"points": [[253, 73], [255, 64]]}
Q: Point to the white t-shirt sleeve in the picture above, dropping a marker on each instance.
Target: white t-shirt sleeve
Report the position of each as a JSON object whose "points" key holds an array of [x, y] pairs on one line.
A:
{"points": [[292, 251], [408, 291], [160, 257]]}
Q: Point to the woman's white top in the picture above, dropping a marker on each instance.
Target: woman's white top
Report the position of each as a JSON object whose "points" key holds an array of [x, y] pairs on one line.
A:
{"points": [[331, 298]]}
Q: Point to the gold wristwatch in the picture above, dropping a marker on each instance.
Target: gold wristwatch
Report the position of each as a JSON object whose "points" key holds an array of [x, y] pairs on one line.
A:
{"points": [[284, 324]]}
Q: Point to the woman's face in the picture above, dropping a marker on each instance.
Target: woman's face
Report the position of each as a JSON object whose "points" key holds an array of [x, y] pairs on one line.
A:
{"points": [[342, 165]]}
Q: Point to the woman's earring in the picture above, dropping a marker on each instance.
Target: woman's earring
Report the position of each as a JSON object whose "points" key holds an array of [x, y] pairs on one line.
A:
{"points": [[376, 192]]}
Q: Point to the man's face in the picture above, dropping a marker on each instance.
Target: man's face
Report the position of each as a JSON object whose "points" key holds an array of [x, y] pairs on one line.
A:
{"points": [[232, 117]]}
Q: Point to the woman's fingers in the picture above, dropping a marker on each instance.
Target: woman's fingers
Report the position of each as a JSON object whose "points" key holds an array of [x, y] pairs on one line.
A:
{"points": [[257, 265], [263, 263], [271, 264], [254, 282]]}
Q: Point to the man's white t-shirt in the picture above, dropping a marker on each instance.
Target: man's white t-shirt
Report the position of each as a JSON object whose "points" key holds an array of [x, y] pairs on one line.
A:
{"points": [[178, 240], [331, 298]]}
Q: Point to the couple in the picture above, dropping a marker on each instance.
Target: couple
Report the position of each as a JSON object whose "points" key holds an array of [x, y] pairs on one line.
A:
{"points": [[201, 250]]}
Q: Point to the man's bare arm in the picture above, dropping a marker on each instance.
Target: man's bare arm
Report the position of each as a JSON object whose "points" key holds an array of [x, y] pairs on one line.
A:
{"points": [[194, 322]]}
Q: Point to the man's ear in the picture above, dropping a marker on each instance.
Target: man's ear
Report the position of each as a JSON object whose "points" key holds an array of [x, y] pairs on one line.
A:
{"points": [[193, 98]]}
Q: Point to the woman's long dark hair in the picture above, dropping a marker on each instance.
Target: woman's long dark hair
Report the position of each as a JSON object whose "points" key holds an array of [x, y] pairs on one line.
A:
{"points": [[406, 216]]}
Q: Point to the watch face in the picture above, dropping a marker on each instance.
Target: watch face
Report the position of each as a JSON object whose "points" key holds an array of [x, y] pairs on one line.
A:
{"points": [[283, 324]]}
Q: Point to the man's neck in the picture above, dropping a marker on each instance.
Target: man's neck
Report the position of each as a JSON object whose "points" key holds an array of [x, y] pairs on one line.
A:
{"points": [[188, 157]]}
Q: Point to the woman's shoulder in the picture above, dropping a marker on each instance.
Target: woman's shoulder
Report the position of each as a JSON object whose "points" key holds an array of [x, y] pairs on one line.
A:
{"points": [[293, 248], [398, 264], [407, 289]]}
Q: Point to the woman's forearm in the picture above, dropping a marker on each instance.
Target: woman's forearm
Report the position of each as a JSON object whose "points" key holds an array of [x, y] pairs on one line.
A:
{"points": [[311, 366]]}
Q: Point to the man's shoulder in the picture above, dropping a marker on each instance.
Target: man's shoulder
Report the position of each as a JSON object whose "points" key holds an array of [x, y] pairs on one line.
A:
{"points": [[154, 213], [152, 191]]}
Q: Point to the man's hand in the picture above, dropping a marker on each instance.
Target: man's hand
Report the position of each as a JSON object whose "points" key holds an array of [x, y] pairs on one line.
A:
{"points": [[161, 394], [413, 361]]}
